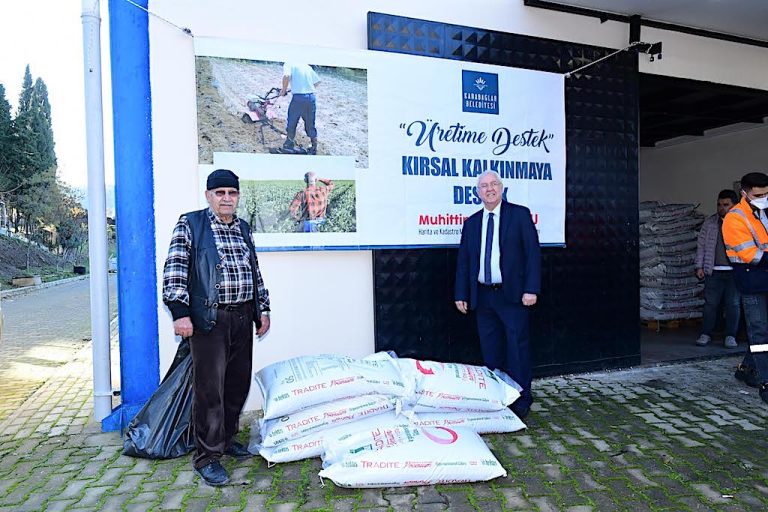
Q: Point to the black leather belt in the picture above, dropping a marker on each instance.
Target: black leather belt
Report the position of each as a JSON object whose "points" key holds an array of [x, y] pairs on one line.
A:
{"points": [[235, 307], [494, 286]]}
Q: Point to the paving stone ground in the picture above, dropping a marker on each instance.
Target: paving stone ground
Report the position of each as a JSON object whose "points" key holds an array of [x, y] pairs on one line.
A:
{"points": [[675, 437], [42, 330]]}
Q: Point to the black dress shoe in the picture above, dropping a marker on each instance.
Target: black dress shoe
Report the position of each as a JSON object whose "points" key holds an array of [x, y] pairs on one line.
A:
{"points": [[213, 474], [747, 375], [520, 411], [237, 450], [763, 390]]}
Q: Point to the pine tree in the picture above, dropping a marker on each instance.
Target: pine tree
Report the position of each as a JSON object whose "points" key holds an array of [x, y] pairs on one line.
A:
{"points": [[8, 147], [34, 127], [25, 98], [36, 165], [43, 126]]}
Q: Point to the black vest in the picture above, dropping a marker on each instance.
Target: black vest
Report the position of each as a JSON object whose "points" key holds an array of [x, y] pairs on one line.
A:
{"points": [[205, 272]]}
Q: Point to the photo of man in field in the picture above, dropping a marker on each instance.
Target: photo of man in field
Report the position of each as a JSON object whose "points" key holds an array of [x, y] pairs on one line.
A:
{"points": [[310, 205]]}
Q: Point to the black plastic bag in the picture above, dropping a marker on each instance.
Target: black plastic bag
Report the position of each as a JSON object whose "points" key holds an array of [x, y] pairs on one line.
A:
{"points": [[163, 428]]}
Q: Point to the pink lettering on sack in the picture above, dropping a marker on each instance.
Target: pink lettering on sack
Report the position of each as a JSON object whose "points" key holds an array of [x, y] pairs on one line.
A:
{"points": [[453, 436], [309, 389]]}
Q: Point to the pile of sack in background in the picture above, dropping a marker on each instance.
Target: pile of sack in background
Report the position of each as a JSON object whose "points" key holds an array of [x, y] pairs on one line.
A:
{"points": [[381, 421], [669, 288]]}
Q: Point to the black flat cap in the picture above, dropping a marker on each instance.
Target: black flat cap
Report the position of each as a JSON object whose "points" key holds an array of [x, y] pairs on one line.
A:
{"points": [[222, 178]]}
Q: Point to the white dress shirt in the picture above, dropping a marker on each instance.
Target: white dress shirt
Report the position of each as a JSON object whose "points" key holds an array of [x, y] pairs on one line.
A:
{"points": [[495, 268]]}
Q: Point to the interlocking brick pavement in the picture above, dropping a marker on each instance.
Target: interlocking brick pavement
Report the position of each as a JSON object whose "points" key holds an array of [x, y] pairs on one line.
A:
{"points": [[675, 437], [42, 330]]}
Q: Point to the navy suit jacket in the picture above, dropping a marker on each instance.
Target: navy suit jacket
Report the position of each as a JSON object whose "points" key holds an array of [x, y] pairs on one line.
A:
{"points": [[519, 255]]}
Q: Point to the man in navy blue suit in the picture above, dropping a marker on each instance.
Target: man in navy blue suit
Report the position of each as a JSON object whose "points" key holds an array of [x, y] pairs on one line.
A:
{"points": [[498, 275]]}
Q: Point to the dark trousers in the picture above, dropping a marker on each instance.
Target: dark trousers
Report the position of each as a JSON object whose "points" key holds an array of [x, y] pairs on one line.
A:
{"points": [[721, 288], [756, 316], [503, 330], [221, 369], [302, 106]]}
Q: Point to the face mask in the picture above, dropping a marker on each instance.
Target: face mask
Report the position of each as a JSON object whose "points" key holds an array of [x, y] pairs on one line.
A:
{"points": [[760, 202]]}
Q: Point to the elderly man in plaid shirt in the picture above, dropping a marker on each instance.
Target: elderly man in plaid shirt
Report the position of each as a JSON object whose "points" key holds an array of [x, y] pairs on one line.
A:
{"points": [[309, 205], [214, 290]]}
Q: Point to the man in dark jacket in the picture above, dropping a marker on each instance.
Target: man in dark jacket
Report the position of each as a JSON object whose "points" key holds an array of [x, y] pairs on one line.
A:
{"points": [[498, 274], [712, 265], [214, 290]]}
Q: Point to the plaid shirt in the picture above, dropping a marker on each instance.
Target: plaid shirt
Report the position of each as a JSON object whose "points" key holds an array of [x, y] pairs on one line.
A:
{"points": [[237, 279], [312, 202]]}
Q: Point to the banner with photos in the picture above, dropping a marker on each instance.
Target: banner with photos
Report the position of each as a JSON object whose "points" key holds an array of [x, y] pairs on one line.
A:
{"points": [[399, 142]]}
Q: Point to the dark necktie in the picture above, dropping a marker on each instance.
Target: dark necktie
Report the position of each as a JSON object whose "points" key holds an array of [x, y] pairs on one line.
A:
{"points": [[488, 249]]}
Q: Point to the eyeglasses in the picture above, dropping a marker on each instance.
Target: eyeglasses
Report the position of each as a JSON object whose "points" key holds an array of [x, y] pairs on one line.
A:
{"points": [[486, 186], [222, 193]]}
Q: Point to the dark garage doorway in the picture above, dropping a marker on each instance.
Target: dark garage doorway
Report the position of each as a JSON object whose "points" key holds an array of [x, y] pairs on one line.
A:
{"points": [[683, 110]]}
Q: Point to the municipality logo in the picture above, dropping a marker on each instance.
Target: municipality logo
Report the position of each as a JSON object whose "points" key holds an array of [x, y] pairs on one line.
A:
{"points": [[480, 92]]}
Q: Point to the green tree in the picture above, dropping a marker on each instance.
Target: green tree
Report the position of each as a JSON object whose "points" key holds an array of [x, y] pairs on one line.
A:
{"points": [[35, 167], [34, 127], [42, 127], [8, 145], [25, 144], [71, 223], [25, 98]]}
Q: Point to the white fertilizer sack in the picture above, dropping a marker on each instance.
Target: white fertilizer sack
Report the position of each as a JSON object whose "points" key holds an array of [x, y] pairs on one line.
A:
{"points": [[434, 456], [488, 422], [311, 445], [457, 387], [301, 382], [305, 447], [323, 416], [378, 434]]}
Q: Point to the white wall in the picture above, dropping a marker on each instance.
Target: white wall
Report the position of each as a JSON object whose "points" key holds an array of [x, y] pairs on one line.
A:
{"points": [[342, 321], [695, 172], [342, 24]]}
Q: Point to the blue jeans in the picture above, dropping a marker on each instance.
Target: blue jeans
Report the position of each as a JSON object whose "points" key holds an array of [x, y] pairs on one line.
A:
{"points": [[756, 315], [312, 226], [302, 107], [721, 287]]}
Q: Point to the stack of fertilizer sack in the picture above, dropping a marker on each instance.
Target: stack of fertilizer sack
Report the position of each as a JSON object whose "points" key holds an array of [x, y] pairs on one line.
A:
{"points": [[382, 421], [669, 289]]}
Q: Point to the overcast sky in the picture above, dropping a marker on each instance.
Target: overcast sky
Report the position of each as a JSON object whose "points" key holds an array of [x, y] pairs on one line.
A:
{"points": [[48, 35]]}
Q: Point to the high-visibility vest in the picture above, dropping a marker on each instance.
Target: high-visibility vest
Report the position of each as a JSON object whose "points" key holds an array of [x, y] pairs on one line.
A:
{"points": [[745, 237]]}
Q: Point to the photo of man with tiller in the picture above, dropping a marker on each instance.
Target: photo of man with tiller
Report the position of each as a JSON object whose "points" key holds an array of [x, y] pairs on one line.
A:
{"points": [[301, 80]]}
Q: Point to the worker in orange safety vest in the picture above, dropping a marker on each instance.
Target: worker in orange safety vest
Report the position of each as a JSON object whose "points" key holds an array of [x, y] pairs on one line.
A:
{"points": [[745, 233]]}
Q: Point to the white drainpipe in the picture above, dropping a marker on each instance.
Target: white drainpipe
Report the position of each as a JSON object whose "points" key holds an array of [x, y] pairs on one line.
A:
{"points": [[97, 211]]}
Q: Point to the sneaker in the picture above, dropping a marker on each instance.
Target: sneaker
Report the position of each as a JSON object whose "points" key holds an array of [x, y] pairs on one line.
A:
{"points": [[213, 474], [703, 340], [730, 342]]}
